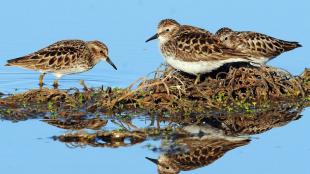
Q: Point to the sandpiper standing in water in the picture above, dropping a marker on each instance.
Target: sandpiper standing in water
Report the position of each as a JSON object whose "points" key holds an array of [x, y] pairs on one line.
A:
{"points": [[261, 47], [64, 57], [193, 50]]}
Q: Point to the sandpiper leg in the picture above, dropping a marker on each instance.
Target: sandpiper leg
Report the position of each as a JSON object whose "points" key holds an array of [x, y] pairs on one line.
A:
{"points": [[82, 82], [55, 84], [170, 68], [197, 79], [255, 64], [41, 79]]}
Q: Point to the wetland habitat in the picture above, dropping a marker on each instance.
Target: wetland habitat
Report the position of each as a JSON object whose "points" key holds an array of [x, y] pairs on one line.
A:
{"points": [[146, 117]]}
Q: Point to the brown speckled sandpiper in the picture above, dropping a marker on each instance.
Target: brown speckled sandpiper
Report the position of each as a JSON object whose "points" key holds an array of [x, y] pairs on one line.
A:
{"points": [[64, 57], [201, 148], [193, 50], [261, 47]]}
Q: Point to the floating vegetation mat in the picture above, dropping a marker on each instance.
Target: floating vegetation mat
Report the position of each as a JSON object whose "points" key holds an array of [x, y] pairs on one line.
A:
{"points": [[229, 89], [125, 133], [185, 143], [196, 124]]}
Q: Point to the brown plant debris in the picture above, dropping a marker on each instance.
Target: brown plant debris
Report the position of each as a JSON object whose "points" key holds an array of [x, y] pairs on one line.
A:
{"points": [[172, 129], [230, 88], [112, 139], [244, 87]]}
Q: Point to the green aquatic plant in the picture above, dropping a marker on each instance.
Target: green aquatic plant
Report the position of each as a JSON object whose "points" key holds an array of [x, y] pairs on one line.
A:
{"points": [[52, 109]]}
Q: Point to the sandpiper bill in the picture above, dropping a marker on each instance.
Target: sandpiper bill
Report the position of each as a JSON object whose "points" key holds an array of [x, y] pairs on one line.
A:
{"points": [[64, 57]]}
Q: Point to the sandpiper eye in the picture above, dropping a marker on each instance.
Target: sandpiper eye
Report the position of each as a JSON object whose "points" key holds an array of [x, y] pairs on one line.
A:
{"points": [[101, 52], [167, 29], [226, 38], [167, 168]]}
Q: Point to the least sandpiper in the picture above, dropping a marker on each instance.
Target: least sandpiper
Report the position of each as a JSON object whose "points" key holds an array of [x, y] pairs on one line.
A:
{"points": [[261, 47], [200, 154], [193, 50], [64, 57], [200, 149]]}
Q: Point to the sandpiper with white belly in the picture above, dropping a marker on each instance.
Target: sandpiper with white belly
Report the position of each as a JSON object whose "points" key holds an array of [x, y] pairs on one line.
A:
{"points": [[193, 50]]}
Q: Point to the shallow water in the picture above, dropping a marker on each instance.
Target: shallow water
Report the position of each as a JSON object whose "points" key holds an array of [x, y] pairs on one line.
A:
{"points": [[28, 146], [31, 144]]}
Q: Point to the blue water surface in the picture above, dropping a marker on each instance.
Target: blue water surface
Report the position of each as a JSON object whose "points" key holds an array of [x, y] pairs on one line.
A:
{"points": [[27, 26]]}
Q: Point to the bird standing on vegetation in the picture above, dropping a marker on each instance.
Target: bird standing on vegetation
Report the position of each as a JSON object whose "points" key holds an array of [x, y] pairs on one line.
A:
{"points": [[261, 47], [64, 57], [197, 51], [193, 50]]}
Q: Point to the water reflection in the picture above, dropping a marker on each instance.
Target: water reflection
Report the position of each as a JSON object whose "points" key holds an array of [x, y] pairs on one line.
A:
{"points": [[201, 147], [183, 141], [77, 124], [185, 144], [257, 122]]}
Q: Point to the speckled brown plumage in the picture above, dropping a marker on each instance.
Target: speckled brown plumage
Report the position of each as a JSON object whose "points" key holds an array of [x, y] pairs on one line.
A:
{"points": [[194, 44], [200, 152], [197, 46], [256, 44], [58, 56], [64, 57], [203, 152], [194, 50]]}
